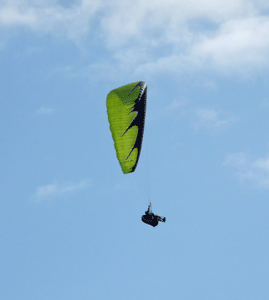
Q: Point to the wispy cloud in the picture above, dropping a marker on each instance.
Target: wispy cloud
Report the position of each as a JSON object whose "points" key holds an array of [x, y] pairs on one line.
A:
{"points": [[50, 17], [122, 185], [199, 117], [58, 189], [44, 111], [176, 105], [211, 118], [248, 169]]}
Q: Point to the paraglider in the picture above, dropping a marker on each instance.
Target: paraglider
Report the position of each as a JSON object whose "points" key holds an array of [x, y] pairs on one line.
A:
{"points": [[126, 109], [151, 219]]}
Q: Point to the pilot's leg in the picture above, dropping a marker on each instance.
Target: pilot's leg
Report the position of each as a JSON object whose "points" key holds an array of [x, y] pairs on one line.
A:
{"points": [[161, 219]]}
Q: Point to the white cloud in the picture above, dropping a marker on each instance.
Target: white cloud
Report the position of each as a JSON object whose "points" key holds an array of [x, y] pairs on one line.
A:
{"points": [[123, 185], [57, 189], [50, 17], [236, 46], [186, 36], [211, 118], [168, 20], [249, 169], [9, 16], [152, 37], [44, 111], [177, 104], [199, 117], [237, 43], [176, 107]]}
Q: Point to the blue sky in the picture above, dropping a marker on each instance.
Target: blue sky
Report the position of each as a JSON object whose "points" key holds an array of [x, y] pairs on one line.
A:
{"points": [[70, 220]]}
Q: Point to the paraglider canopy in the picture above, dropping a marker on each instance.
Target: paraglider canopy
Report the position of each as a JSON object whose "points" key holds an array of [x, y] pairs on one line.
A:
{"points": [[126, 109]]}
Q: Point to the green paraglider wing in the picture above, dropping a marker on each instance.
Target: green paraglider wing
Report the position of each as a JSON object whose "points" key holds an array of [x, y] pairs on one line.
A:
{"points": [[126, 109]]}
